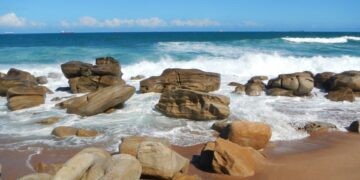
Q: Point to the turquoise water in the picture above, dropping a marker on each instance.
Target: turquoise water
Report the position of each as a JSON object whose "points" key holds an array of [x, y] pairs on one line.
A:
{"points": [[236, 56]]}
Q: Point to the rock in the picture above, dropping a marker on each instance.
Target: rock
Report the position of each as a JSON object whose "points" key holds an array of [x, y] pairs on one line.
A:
{"points": [[192, 79], [279, 92], [321, 80], [193, 105], [41, 80], [130, 145], [25, 97], [49, 120], [235, 160], [219, 126], [47, 168], [99, 101], [181, 176], [299, 84], [240, 89], [84, 77], [159, 161], [252, 134], [316, 126], [207, 156], [65, 131], [15, 78], [343, 94], [76, 167], [258, 79], [137, 77], [235, 84], [37, 176], [347, 79], [254, 88], [354, 127], [122, 166]]}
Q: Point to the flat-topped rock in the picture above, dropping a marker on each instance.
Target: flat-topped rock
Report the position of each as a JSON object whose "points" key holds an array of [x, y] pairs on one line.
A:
{"points": [[16, 78], [130, 144], [22, 97], [193, 105], [192, 79]]}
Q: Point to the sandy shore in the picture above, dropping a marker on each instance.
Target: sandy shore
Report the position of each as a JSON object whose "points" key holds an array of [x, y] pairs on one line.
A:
{"points": [[323, 156]]}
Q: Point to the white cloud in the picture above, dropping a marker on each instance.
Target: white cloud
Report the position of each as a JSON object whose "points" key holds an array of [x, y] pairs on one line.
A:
{"points": [[12, 20], [194, 22], [251, 24]]}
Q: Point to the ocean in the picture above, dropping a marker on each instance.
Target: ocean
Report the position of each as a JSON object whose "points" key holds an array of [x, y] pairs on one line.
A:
{"points": [[237, 56]]}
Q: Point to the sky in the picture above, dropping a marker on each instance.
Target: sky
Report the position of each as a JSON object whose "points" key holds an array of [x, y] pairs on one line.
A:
{"points": [[39, 16]]}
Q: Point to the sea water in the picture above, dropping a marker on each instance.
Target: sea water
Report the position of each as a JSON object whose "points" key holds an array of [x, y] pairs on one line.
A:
{"points": [[236, 56]]}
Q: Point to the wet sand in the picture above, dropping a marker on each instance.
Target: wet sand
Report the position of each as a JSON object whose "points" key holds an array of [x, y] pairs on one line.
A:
{"points": [[324, 156]]}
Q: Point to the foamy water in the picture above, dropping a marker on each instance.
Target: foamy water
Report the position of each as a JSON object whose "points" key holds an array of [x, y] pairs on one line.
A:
{"points": [[343, 39]]}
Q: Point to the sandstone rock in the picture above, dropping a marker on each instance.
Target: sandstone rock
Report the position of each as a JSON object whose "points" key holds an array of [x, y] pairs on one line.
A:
{"points": [[354, 127], [279, 92], [76, 167], [26, 91], [181, 176], [235, 84], [47, 168], [130, 145], [75, 69], [193, 105], [252, 134], [300, 84], [137, 77], [159, 161], [65, 131], [98, 101], [37, 176], [240, 89], [15, 78], [254, 88], [235, 160], [219, 126], [49, 120], [41, 80], [322, 80], [207, 156], [192, 79], [343, 94], [122, 166], [258, 79], [23, 102], [347, 79], [316, 126]]}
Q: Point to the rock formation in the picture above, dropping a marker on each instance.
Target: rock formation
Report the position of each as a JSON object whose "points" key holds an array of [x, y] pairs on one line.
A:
{"points": [[295, 84], [21, 97]]}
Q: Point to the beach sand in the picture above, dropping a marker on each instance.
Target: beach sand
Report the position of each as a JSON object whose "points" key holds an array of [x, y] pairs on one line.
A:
{"points": [[327, 156]]}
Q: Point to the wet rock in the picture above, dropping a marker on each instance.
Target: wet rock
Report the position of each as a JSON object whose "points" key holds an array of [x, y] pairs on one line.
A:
{"points": [[49, 120], [99, 101], [343, 94], [37, 176], [65, 131], [41, 80], [232, 159], [47, 168], [193, 105], [317, 126], [235, 84], [64, 89], [122, 166], [279, 92], [220, 126], [254, 88], [299, 84], [192, 79], [137, 77], [16, 78], [258, 79], [159, 161], [252, 134], [84, 77], [354, 127], [25, 97], [77, 166], [347, 79], [240, 89], [130, 145], [322, 80]]}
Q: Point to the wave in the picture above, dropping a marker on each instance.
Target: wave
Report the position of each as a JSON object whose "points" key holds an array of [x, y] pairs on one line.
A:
{"points": [[334, 40]]}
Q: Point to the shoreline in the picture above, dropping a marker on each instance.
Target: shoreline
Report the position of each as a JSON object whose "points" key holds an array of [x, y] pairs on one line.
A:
{"points": [[306, 158]]}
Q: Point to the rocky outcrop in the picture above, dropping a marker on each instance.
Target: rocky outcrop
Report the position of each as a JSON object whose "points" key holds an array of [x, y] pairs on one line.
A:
{"points": [[49, 120], [354, 127], [252, 134], [295, 84], [65, 131], [317, 126], [22, 97], [343, 94], [159, 161], [254, 88], [240, 89], [130, 145], [16, 78], [347, 79], [322, 80], [171, 79], [84, 77], [99, 101], [193, 105], [121, 166], [232, 159]]}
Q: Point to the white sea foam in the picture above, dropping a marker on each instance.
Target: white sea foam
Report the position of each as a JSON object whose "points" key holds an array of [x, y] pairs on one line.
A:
{"points": [[333, 40]]}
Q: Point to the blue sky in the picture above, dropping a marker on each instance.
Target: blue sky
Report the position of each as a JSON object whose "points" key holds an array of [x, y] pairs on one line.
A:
{"points": [[179, 15]]}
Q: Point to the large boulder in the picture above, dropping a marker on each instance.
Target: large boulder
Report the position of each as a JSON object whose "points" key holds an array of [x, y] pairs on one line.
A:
{"points": [[16, 78], [343, 94], [130, 145], [22, 97], [252, 134], [84, 77], [322, 80], [99, 101], [235, 160], [192, 79], [297, 84], [254, 88], [347, 79], [121, 166], [193, 105], [159, 161]]}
